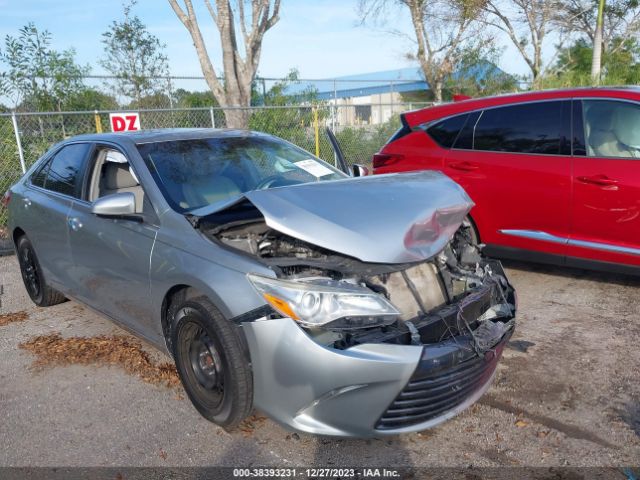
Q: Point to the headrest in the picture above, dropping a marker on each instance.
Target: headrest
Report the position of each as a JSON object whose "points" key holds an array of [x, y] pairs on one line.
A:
{"points": [[117, 176], [626, 125], [599, 117]]}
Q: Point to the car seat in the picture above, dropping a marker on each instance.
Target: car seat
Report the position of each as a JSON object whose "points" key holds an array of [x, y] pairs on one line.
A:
{"points": [[626, 124], [116, 178]]}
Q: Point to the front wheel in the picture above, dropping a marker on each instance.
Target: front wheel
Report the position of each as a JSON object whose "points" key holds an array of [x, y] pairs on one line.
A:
{"points": [[41, 294], [211, 362]]}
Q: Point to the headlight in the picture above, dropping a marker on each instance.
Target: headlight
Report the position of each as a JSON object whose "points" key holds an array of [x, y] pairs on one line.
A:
{"points": [[326, 303]]}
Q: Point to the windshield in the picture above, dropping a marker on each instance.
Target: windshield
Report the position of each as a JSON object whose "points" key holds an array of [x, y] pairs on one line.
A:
{"points": [[200, 172]]}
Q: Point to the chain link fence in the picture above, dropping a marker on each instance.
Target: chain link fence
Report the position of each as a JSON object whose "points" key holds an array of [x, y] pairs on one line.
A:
{"points": [[360, 129]]}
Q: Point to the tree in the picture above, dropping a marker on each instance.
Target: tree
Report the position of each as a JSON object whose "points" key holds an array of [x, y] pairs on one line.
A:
{"points": [[239, 70], [526, 23], [620, 64], [602, 23], [134, 56], [444, 31], [477, 74], [621, 19], [38, 77], [596, 59]]}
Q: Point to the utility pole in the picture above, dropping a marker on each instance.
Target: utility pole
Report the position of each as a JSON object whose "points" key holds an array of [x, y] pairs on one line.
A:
{"points": [[596, 60]]}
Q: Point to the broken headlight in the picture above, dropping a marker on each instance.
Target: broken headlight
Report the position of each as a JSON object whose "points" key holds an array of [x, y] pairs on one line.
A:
{"points": [[326, 303]]}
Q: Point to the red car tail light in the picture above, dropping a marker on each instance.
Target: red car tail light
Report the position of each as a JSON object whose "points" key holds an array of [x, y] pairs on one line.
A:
{"points": [[6, 198], [384, 159]]}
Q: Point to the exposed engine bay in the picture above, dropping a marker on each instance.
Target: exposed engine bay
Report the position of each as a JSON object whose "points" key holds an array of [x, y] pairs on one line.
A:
{"points": [[458, 292]]}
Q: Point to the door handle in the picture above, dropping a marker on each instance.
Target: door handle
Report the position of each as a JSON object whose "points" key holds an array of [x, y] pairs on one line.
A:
{"points": [[600, 180], [463, 166], [27, 202], [75, 224]]}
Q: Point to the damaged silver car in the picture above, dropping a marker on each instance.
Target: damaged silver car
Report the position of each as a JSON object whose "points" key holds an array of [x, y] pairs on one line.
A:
{"points": [[336, 305]]}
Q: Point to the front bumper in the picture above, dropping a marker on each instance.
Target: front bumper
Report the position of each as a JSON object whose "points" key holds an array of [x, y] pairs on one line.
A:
{"points": [[368, 390]]}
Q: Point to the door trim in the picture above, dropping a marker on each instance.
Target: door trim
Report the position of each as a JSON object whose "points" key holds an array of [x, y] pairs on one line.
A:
{"points": [[547, 237], [535, 235]]}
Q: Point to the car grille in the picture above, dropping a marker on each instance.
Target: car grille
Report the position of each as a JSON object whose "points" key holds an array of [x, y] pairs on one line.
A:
{"points": [[428, 396]]}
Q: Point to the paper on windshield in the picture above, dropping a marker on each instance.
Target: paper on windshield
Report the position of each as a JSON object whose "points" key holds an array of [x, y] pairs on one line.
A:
{"points": [[314, 168]]}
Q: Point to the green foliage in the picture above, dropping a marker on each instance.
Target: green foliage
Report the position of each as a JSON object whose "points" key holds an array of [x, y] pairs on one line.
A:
{"points": [[358, 144], [186, 99], [134, 56], [153, 100], [39, 78], [90, 99], [293, 124], [620, 65]]}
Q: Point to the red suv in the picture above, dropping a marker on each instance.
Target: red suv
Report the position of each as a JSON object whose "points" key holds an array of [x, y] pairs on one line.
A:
{"points": [[555, 175]]}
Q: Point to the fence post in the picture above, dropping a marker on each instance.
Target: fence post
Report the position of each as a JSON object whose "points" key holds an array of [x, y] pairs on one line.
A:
{"points": [[316, 128], [18, 142], [213, 119], [98, 121]]}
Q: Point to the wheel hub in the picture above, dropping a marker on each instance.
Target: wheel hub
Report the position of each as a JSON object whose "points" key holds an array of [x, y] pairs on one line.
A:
{"points": [[206, 363]]}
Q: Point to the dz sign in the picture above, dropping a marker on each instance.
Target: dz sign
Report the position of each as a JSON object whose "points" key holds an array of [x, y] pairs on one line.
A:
{"points": [[124, 122]]}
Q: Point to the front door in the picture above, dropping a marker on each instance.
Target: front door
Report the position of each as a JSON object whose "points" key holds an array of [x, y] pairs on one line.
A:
{"points": [[606, 183], [111, 256]]}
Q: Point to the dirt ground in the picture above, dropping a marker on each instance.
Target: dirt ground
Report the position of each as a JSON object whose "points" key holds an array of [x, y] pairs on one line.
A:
{"points": [[566, 394]]}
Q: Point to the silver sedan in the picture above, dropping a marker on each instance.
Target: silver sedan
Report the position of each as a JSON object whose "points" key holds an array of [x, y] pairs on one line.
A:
{"points": [[336, 305]]}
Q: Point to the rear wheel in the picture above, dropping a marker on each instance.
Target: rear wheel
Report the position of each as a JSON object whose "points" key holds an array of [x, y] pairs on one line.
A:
{"points": [[211, 362], [41, 294]]}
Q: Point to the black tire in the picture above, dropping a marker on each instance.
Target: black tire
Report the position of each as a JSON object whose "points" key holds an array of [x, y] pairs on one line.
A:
{"points": [[41, 294], [211, 362]]}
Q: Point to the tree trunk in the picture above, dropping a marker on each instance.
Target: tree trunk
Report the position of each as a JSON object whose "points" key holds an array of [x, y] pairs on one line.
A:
{"points": [[596, 60], [437, 91], [237, 118], [239, 73]]}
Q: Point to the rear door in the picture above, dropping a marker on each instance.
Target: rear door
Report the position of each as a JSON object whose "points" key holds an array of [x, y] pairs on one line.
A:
{"points": [[111, 256], [515, 163], [46, 203], [606, 182]]}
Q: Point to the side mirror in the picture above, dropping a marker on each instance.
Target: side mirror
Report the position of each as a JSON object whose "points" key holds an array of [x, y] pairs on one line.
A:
{"points": [[115, 205], [360, 170]]}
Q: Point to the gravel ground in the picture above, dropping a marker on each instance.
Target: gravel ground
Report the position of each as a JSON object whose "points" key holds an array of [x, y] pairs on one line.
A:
{"points": [[566, 394]]}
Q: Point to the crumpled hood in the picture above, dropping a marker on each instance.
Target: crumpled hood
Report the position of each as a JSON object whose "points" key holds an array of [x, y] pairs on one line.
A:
{"points": [[394, 218]]}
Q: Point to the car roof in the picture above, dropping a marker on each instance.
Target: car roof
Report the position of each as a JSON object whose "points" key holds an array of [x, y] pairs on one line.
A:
{"points": [[163, 134], [417, 117]]}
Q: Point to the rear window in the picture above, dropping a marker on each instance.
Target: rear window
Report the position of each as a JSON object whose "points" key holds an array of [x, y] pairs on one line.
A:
{"points": [[529, 128], [446, 131], [64, 172]]}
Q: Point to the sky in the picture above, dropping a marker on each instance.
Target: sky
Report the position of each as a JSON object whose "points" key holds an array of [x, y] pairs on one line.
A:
{"points": [[320, 38]]}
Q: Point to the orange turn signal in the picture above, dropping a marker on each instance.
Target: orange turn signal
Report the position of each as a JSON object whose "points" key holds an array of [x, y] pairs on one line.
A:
{"points": [[281, 306]]}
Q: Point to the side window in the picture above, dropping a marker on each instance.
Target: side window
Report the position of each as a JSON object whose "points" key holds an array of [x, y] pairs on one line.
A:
{"points": [[66, 168], [446, 131], [611, 128], [465, 138], [39, 175], [528, 128], [111, 174]]}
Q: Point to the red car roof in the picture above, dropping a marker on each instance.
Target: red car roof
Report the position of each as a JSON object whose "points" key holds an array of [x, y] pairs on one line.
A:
{"points": [[417, 117]]}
